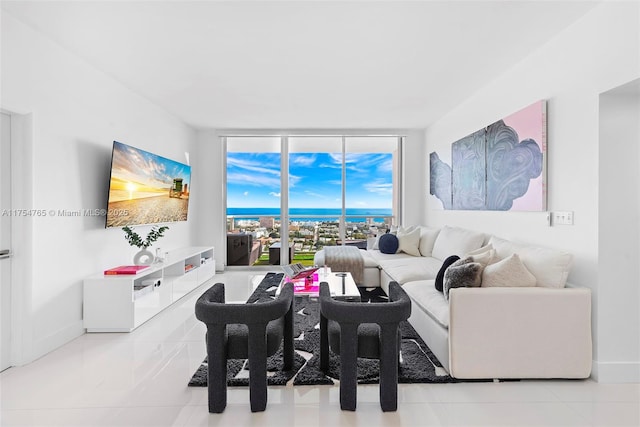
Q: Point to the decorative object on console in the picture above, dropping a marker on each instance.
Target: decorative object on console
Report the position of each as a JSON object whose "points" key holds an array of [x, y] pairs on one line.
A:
{"points": [[144, 256], [500, 167]]}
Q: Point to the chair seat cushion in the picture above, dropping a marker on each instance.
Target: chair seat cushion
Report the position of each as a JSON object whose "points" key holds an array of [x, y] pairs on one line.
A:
{"points": [[238, 339]]}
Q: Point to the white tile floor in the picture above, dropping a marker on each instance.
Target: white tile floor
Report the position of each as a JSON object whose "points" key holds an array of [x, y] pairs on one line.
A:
{"points": [[140, 379]]}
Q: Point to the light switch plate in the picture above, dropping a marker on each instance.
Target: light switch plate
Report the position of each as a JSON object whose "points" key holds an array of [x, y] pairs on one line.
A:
{"points": [[563, 218]]}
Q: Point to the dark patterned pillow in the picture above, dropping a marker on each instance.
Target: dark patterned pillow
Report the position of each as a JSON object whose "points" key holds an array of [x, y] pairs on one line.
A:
{"points": [[388, 243], [440, 276], [462, 273]]}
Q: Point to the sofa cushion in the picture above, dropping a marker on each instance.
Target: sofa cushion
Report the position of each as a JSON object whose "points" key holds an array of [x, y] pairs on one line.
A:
{"points": [[456, 241], [462, 274], [427, 239], [509, 272], [439, 283], [424, 296], [409, 268], [380, 256], [388, 243], [549, 266], [408, 240], [370, 260]]}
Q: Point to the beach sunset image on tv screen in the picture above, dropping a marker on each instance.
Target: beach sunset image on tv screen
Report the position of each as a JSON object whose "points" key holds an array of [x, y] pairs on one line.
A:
{"points": [[146, 188]]}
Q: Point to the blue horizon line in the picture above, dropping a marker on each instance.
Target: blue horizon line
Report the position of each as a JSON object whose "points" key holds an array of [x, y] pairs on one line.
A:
{"points": [[310, 214], [312, 211]]}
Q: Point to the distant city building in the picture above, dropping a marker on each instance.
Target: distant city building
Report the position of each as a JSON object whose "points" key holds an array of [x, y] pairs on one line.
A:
{"points": [[267, 222]]}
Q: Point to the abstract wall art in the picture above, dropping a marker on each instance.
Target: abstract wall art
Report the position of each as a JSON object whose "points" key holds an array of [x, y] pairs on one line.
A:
{"points": [[499, 168]]}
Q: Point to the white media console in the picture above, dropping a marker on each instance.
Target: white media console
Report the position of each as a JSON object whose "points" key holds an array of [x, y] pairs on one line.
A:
{"points": [[121, 303]]}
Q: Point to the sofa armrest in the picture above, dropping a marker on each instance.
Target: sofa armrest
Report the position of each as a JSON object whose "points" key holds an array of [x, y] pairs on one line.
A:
{"points": [[520, 333]]}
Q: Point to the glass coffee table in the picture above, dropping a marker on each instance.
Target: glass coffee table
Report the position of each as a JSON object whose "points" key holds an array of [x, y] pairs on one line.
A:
{"points": [[341, 284]]}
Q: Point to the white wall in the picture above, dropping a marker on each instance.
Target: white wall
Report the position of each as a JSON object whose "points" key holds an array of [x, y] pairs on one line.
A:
{"points": [[210, 208], [210, 167], [619, 234], [598, 52], [72, 113]]}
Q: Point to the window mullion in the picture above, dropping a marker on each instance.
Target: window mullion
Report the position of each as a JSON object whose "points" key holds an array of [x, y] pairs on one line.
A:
{"points": [[284, 201], [343, 217]]}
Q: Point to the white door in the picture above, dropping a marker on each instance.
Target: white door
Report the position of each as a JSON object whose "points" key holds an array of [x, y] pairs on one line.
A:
{"points": [[5, 241]]}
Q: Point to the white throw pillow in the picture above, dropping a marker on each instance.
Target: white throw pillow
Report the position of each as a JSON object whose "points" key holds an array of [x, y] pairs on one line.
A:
{"points": [[481, 250], [456, 241], [427, 239], [485, 255], [551, 267], [510, 272], [372, 243], [408, 240]]}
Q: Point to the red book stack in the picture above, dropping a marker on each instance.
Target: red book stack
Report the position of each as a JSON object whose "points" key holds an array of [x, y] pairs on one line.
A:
{"points": [[125, 269]]}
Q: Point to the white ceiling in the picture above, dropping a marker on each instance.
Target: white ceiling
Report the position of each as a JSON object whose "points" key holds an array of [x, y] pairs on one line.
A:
{"points": [[302, 64]]}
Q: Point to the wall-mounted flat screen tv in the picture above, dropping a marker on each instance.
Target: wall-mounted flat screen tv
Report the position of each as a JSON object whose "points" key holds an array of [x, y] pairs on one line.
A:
{"points": [[146, 188]]}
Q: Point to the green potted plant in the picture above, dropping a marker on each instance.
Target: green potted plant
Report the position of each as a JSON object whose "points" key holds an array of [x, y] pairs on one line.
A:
{"points": [[144, 256]]}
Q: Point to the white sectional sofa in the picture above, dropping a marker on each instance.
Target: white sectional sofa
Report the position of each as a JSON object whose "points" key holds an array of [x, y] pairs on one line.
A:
{"points": [[507, 331]]}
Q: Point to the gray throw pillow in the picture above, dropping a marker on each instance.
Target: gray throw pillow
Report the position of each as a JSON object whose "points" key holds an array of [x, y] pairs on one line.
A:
{"points": [[462, 273]]}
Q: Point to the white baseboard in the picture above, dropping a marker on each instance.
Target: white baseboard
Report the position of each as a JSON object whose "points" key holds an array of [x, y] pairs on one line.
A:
{"points": [[52, 342], [616, 372]]}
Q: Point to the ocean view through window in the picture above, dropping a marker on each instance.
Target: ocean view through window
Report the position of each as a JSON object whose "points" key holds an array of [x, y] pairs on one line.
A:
{"points": [[317, 191]]}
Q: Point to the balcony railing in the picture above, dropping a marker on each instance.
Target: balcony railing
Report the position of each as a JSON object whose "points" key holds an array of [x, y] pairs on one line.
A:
{"points": [[307, 233]]}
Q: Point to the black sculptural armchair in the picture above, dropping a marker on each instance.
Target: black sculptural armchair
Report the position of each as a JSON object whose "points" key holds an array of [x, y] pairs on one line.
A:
{"points": [[244, 331], [368, 330]]}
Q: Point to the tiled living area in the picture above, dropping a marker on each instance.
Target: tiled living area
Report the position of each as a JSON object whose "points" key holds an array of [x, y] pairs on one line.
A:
{"points": [[140, 379]]}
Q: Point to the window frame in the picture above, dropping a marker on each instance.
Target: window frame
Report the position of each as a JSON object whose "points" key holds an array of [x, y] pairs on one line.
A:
{"points": [[397, 177]]}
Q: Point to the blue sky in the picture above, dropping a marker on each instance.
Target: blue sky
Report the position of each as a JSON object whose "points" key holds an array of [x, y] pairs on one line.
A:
{"points": [[253, 180]]}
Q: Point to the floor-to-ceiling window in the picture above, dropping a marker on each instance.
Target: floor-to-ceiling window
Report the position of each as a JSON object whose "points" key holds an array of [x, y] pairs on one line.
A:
{"points": [[253, 194], [305, 192]]}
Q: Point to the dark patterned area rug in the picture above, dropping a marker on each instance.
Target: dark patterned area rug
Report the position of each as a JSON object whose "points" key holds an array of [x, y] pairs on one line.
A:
{"points": [[418, 364]]}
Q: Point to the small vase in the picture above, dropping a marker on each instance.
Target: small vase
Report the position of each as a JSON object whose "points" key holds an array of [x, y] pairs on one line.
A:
{"points": [[144, 257]]}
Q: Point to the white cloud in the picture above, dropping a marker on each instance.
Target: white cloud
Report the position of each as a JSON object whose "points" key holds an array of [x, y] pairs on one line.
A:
{"points": [[379, 187], [274, 194], [253, 179], [303, 160], [246, 193], [312, 194], [294, 180], [253, 166]]}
